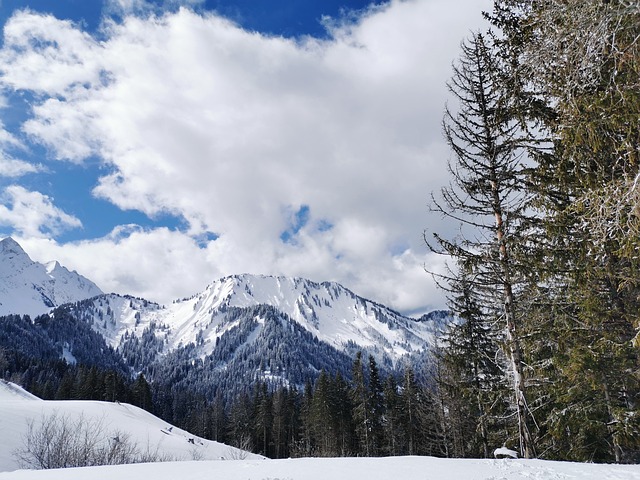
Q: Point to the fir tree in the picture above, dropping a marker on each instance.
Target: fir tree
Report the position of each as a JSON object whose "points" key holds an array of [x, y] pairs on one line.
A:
{"points": [[488, 197]]}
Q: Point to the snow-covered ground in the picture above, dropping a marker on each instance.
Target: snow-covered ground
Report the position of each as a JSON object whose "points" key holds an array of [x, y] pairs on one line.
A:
{"points": [[17, 407], [393, 468], [149, 433]]}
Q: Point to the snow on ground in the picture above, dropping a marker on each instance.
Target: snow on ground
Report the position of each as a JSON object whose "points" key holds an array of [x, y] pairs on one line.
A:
{"points": [[18, 407], [397, 468]]}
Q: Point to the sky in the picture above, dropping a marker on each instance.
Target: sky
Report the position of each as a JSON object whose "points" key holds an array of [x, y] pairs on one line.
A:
{"points": [[156, 146]]}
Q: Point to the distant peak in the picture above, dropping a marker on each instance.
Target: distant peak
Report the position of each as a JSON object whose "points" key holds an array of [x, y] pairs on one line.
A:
{"points": [[9, 245], [53, 266]]}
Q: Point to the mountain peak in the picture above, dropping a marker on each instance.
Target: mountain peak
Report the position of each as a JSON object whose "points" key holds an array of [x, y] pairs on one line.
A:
{"points": [[9, 245], [28, 287]]}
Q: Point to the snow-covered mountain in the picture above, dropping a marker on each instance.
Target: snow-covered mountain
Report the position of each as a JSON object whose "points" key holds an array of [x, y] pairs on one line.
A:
{"points": [[28, 287], [239, 330], [244, 328], [328, 311]]}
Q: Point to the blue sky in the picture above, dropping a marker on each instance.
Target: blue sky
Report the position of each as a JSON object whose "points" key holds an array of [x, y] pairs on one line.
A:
{"points": [[157, 146]]}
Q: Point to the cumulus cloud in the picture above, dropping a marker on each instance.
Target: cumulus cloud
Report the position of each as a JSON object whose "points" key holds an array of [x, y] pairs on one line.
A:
{"points": [[11, 167], [233, 131], [32, 214]]}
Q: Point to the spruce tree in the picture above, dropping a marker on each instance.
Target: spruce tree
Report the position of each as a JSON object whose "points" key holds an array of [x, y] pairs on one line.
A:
{"points": [[487, 196], [582, 59], [361, 401]]}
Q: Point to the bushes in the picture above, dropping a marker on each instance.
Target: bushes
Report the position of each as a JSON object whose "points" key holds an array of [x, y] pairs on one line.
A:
{"points": [[60, 442]]}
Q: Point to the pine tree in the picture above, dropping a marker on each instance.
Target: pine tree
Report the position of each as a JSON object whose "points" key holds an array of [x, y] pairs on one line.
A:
{"points": [[391, 420], [488, 197], [583, 60], [360, 399], [344, 421], [470, 378], [323, 417], [376, 405], [142, 393], [263, 418], [305, 446]]}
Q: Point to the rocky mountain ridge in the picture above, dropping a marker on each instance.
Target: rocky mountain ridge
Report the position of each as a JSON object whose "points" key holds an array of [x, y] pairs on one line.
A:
{"points": [[32, 288]]}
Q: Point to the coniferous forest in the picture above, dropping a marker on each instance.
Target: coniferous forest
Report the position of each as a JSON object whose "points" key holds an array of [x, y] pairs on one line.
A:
{"points": [[543, 273], [543, 276]]}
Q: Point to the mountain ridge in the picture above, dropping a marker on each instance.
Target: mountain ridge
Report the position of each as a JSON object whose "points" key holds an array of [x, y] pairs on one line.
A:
{"points": [[239, 330], [32, 288]]}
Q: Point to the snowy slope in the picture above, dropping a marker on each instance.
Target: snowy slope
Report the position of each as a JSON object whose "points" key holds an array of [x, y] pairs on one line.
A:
{"points": [[401, 468], [28, 287], [328, 311], [18, 407]]}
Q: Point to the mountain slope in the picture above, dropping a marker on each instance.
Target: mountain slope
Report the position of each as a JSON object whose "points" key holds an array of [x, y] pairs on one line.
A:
{"points": [[330, 312], [19, 408], [28, 287], [247, 328]]}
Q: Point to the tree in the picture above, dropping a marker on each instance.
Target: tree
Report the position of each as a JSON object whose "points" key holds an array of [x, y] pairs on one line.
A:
{"points": [[582, 59], [376, 405], [487, 196], [391, 420], [142, 393], [360, 399], [470, 378]]}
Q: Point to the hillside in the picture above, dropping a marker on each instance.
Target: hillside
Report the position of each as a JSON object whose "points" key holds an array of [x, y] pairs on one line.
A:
{"points": [[147, 431]]}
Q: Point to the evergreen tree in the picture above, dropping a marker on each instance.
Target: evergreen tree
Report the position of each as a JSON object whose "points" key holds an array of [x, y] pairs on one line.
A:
{"points": [[343, 421], [470, 379], [487, 196], [305, 446], [263, 418], [391, 422], [323, 417], [241, 423], [142, 393], [376, 405], [281, 418], [583, 60], [361, 401]]}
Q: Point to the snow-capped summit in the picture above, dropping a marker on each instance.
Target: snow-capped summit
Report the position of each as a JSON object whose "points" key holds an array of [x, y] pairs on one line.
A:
{"points": [[9, 246], [328, 312], [28, 287]]}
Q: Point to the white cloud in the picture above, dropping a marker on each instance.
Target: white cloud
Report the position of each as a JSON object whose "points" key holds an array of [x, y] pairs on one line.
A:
{"points": [[33, 214], [233, 131], [10, 167]]}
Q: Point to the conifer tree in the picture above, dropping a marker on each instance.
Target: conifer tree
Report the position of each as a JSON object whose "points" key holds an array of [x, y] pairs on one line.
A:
{"points": [[470, 377], [323, 417], [487, 196], [376, 405], [360, 399], [392, 418]]}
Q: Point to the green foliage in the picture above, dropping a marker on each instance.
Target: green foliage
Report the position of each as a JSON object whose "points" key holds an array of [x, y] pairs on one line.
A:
{"points": [[571, 72]]}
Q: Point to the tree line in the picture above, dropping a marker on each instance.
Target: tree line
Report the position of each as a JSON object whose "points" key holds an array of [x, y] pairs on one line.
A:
{"points": [[364, 415], [544, 268]]}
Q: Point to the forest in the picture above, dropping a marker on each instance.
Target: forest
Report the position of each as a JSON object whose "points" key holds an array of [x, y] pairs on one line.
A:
{"points": [[543, 271]]}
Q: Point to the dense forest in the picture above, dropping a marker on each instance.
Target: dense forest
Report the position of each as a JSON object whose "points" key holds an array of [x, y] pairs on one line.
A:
{"points": [[545, 135]]}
